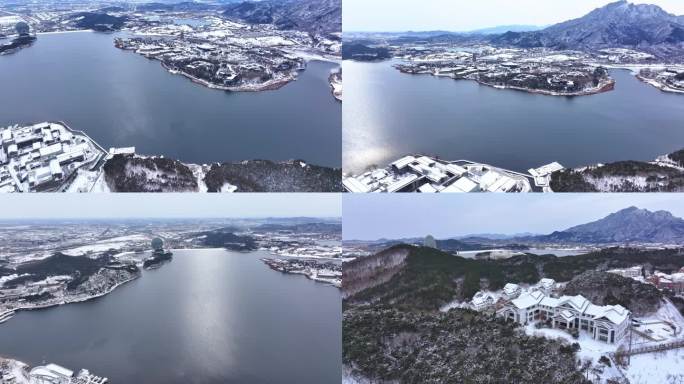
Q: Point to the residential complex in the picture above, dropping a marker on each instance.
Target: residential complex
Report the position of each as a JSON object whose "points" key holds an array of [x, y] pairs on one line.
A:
{"points": [[45, 157], [673, 282], [608, 323], [417, 173], [16, 372]]}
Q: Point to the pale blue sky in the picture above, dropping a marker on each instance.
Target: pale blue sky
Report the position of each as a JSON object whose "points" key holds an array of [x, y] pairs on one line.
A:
{"points": [[465, 15], [168, 205], [373, 216]]}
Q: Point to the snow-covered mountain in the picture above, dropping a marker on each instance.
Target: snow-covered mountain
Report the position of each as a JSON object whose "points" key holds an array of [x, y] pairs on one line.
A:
{"points": [[618, 24], [316, 16], [626, 226]]}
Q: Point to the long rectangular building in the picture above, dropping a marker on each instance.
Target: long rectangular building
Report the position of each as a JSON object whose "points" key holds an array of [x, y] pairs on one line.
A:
{"points": [[607, 323]]}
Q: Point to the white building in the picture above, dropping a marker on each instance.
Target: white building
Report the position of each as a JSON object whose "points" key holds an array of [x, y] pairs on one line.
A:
{"points": [[546, 285], [482, 301], [608, 323], [511, 291], [51, 374], [633, 272], [431, 175]]}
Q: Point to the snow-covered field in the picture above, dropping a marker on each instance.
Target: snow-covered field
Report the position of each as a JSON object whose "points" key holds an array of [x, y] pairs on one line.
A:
{"points": [[664, 367], [590, 348], [105, 245]]}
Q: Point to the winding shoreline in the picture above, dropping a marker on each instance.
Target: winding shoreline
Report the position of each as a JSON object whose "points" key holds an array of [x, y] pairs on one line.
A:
{"points": [[601, 88], [65, 302]]}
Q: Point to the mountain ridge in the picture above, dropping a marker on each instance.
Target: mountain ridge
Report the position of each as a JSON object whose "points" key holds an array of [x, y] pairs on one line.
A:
{"points": [[620, 24], [625, 226]]}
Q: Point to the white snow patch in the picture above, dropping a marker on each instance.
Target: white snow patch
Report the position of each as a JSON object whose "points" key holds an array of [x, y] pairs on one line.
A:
{"points": [[662, 367]]}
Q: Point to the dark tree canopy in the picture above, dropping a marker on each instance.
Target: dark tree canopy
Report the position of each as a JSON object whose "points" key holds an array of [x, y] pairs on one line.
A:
{"points": [[22, 28], [157, 244]]}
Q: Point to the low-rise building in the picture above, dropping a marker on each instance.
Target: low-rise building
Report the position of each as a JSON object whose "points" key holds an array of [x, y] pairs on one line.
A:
{"points": [[482, 301], [607, 323], [511, 291], [432, 175], [671, 282], [632, 272], [547, 285]]}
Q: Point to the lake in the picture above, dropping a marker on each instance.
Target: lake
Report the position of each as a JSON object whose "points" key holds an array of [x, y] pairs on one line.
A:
{"points": [[388, 114], [209, 316], [123, 99]]}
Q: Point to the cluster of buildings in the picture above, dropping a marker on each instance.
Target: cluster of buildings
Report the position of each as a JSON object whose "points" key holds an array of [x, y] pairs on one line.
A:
{"points": [[15, 372], [535, 70], [218, 65], [430, 175], [44, 156], [606, 323], [324, 272], [542, 175], [11, 296], [669, 79], [673, 282], [228, 55], [55, 374]]}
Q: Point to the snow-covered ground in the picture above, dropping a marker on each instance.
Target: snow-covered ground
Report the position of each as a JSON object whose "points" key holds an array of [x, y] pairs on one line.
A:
{"points": [[199, 172], [663, 367], [454, 304], [665, 325], [610, 183], [653, 368], [590, 348], [105, 245], [88, 181], [228, 188]]}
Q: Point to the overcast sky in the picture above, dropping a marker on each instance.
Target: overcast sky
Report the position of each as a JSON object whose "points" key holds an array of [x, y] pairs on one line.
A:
{"points": [[373, 216], [125, 206], [466, 15]]}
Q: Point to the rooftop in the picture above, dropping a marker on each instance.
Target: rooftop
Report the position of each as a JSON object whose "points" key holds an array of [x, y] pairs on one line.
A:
{"points": [[425, 174]]}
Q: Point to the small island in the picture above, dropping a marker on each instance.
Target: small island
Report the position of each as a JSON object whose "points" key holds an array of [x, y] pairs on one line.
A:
{"points": [[23, 38], [159, 255]]}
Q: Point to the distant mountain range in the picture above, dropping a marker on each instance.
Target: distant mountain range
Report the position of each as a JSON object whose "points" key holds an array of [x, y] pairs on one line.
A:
{"points": [[630, 225], [315, 16], [618, 24], [505, 28]]}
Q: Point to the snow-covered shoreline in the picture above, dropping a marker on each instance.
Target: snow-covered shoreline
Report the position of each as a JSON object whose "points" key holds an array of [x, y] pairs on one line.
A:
{"points": [[63, 32], [75, 300]]}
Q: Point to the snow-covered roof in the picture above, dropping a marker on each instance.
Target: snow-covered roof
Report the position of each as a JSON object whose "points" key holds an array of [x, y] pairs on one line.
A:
{"points": [[511, 288], [427, 188], [616, 314], [52, 370], [403, 162], [462, 185], [528, 300], [578, 302], [567, 315], [481, 298]]}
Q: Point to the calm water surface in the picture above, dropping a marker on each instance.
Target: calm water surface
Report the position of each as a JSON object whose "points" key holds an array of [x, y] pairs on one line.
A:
{"points": [[388, 114], [209, 316], [123, 99]]}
